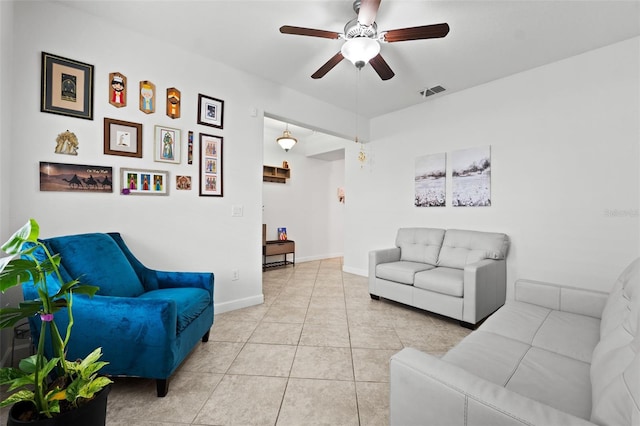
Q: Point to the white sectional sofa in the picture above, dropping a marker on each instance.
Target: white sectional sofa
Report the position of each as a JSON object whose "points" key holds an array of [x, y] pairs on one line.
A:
{"points": [[457, 273], [553, 356]]}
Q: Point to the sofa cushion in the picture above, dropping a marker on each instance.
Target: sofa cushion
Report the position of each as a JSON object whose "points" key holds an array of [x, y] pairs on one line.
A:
{"points": [[572, 335], [441, 280], [190, 302], [555, 380], [420, 244], [615, 365], [401, 272], [96, 259], [461, 248]]}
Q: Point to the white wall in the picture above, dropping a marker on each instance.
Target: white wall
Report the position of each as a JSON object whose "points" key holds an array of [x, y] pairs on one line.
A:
{"points": [[182, 231], [307, 205], [565, 168]]}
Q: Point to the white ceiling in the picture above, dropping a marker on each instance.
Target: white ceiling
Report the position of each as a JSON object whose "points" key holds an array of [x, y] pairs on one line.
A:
{"points": [[488, 40]]}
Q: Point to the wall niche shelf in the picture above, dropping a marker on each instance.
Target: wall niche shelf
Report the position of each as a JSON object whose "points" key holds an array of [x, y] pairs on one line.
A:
{"points": [[275, 174]]}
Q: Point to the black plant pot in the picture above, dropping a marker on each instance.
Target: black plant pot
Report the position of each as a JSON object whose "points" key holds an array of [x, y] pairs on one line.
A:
{"points": [[93, 413]]}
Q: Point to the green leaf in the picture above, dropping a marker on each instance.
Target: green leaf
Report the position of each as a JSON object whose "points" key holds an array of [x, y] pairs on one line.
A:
{"points": [[28, 233], [9, 374], [17, 271], [23, 395]]}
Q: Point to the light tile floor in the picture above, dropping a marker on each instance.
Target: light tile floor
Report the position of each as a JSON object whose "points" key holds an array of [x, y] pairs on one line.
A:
{"points": [[316, 352]]}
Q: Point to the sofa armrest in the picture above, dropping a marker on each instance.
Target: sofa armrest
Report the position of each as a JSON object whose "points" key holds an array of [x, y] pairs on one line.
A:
{"points": [[485, 289], [561, 298], [426, 389], [202, 280], [377, 257]]}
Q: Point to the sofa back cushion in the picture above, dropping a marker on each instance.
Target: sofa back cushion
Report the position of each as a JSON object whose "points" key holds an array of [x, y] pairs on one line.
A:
{"points": [[461, 248], [420, 244], [615, 364], [96, 259]]}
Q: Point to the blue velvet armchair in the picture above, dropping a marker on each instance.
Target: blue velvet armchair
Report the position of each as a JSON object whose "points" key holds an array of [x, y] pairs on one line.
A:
{"points": [[146, 321]]}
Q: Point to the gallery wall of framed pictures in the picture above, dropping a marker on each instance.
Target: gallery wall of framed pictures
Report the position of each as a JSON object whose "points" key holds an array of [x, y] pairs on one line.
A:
{"points": [[68, 88]]}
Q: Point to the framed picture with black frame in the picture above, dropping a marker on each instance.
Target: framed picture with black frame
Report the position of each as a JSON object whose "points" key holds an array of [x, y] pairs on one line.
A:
{"points": [[210, 165], [66, 87], [210, 111]]}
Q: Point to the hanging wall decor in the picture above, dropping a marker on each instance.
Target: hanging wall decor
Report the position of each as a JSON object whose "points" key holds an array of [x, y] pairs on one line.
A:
{"points": [[117, 90], [144, 182], [67, 143], [75, 178], [147, 97], [190, 148], [210, 165], [210, 111], [430, 180], [173, 102], [122, 138], [66, 87], [167, 146], [471, 177], [183, 182]]}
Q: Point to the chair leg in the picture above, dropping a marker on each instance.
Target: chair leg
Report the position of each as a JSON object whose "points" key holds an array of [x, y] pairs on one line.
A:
{"points": [[205, 338], [162, 387], [374, 297]]}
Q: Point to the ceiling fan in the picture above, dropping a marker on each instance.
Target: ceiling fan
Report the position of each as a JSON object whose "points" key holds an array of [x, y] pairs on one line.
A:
{"points": [[362, 39]]}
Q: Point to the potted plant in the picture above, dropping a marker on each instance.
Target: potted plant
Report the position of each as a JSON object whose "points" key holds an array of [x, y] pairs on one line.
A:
{"points": [[48, 391]]}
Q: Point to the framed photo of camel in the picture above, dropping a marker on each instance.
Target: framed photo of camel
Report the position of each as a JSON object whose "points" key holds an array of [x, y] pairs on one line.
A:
{"points": [[75, 178]]}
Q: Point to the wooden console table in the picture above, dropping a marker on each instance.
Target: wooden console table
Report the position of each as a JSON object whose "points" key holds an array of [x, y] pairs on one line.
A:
{"points": [[275, 248]]}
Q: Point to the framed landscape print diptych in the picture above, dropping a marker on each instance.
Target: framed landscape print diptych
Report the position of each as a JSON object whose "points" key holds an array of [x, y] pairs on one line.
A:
{"points": [[66, 87], [122, 138], [210, 111], [210, 165], [430, 180], [167, 145], [471, 177], [75, 178], [144, 182]]}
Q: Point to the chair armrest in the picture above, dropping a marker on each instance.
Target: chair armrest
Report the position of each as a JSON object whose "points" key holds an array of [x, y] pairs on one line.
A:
{"points": [[124, 319], [561, 298], [202, 280], [377, 257], [485, 289], [425, 388]]}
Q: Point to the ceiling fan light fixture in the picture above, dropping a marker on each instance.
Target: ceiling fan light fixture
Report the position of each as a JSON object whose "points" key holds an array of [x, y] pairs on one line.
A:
{"points": [[286, 141], [360, 50]]}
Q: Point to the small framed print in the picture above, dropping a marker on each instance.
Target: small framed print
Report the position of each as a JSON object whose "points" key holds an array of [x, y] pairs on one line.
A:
{"points": [[122, 138], [210, 165], [144, 182], [183, 183], [167, 147], [66, 87], [210, 111]]}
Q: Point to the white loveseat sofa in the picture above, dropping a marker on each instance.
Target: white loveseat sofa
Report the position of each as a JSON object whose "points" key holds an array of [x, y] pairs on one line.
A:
{"points": [[553, 356], [457, 273]]}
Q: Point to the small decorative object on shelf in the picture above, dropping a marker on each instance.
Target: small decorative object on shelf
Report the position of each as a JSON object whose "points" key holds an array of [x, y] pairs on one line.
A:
{"points": [[282, 234], [285, 165]]}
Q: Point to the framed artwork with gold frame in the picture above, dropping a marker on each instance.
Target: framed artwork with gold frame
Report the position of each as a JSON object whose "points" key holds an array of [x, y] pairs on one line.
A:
{"points": [[66, 87]]}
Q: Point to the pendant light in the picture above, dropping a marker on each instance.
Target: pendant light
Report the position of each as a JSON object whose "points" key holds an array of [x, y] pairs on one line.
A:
{"points": [[286, 141]]}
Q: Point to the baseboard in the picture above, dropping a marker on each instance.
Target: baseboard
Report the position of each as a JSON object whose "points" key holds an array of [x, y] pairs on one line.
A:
{"points": [[355, 271], [232, 305], [320, 257]]}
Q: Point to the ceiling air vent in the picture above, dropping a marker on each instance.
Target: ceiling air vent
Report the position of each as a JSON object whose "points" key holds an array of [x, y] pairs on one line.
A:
{"points": [[432, 91]]}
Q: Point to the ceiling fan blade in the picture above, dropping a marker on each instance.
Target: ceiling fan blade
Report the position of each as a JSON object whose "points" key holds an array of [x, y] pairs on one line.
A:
{"points": [[287, 29], [328, 66], [417, 33], [381, 67], [368, 11]]}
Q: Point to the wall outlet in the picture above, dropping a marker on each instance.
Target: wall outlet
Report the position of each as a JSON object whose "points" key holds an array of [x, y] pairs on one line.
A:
{"points": [[235, 275]]}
